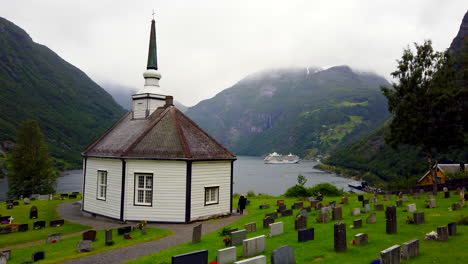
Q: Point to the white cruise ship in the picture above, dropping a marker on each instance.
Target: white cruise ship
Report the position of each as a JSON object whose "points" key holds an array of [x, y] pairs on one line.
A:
{"points": [[275, 158]]}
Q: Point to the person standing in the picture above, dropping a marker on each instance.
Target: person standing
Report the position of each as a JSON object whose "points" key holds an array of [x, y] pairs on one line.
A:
{"points": [[241, 204]]}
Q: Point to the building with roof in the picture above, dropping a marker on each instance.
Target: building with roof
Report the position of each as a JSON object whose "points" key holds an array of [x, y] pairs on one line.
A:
{"points": [[441, 176], [155, 164]]}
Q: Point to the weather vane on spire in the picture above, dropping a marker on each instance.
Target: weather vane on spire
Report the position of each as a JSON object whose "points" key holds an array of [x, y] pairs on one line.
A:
{"points": [[153, 14]]}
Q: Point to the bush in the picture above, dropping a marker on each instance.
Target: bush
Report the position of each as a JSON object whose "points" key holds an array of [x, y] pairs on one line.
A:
{"points": [[325, 189], [250, 193], [296, 191]]}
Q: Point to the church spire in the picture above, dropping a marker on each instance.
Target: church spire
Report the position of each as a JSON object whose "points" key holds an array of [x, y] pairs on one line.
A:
{"points": [[152, 54]]}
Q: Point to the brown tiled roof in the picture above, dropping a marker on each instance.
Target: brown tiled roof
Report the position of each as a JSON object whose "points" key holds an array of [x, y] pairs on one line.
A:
{"points": [[166, 134]]}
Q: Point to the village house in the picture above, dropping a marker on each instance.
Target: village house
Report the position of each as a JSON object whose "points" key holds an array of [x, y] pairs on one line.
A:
{"points": [[155, 164], [441, 176]]}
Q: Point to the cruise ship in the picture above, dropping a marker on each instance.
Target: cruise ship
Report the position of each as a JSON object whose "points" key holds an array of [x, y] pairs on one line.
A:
{"points": [[275, 158]]}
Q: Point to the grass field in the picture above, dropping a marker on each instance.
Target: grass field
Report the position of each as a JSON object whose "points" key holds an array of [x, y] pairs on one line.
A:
{"points": [[321, 250], [46, 212]]}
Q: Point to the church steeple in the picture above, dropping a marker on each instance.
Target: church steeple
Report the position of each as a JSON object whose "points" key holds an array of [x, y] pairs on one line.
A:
{"points": [[152, 53]]}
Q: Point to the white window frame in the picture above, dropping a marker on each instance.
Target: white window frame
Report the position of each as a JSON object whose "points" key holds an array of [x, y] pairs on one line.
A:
{"points": [[142, 192], [211, 195], [101, 185]]}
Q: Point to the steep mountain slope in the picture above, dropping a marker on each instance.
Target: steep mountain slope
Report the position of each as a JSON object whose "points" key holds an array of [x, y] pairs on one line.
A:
{"points": [[35, 83], [306, 112]]}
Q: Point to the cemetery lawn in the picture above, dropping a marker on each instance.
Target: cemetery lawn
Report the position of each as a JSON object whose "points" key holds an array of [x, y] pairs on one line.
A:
{"points": [[65, 249], [321, 249], [46, 212]]}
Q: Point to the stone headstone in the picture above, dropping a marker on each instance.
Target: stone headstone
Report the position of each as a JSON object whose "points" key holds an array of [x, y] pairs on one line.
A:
{"points": [[264, 206], [254, 246], [371, 219], [250, 227], [332, 204], [374, 199], [287, 212], [340, 237], [23, 227], [197, 233], [64, 195], [267, 221], [108, 235], [3, 258], [390, 255], [456, 206], [38, 255], [226, 255], [344, 200], [305, 234], [324, 216], [314, 203], [411, 208], [307, 209], [143, 230], [379, 207], [39, 224], [360, 198], [391, 220], [283, 255], [255, 260], [418, 218], [238, 236], [364, 202], [274, 215], [279, 202], [367, 208], [337, 213], [281, 208], [15, 203], [52, 238], [388, 197], [410, 249], [319, 206], [6, 253], [298, 205], [430, 196], [55, 223], [356, 211], [197, 257], [276, 229], [452, 229], [27, 201], [357, 223], [124, 230], [442, 233], [361, 238], [84, 246], [405, 198], [72, 196], [9, 206], [421, 191], [300, 222], [43, 197], [432, 203], [416, 196], [33, 212], [89, 235], [399, 203]]}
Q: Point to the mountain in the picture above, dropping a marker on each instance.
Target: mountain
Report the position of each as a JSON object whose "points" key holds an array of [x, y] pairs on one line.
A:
{"points": [[35, 83], [303, 111]]}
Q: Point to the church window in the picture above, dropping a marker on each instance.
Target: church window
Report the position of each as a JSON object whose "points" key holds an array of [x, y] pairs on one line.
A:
{"points": [[211, 195], [102, 185], [143, 189]]}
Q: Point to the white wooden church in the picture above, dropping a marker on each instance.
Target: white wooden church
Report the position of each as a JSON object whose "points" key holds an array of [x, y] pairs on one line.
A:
{"points": [[156, 164]]}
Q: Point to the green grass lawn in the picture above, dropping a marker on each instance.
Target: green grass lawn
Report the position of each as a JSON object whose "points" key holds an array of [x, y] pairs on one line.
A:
{"points": [[46, 212], [321, 250], [65, 249]]}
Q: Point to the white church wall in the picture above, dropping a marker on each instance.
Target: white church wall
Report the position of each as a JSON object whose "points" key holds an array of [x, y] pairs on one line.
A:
{"points": [[169, 184], [210, 174], [139, 108], [111, 205]]}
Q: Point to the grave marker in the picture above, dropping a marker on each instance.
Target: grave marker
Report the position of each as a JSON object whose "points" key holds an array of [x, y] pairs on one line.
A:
{"points": [[197, 257], [250, 227], [55, 223], [305, 234], [264, 206], [391, 221], [344, 200], [360, 198], [300, 222], [432, 203], [361, 238], [33, 212], [283, 255], [226, 255], [371, 219], [411, 208], [281, 208], [237, 237], [410, 249], [38, 255], [254, 260], [418, 218], [287, 212], [6, 253], [267, 221], [405, 198], [84, 246], [89, 235], [23, 227], [197, 233], [52, 238], [276, 229], [399, 203], [442, 233], [390, 255], [337, 213], [124, 230], [452, 229], [39, 225], [356, 211], [273, 215], [340, 237], [298, 205], [254, 246], [357, 223], [108, 236], [379, 207], [279, 202]]}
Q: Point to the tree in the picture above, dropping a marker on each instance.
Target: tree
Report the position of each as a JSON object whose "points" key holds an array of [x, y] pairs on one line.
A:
{"points": [[30, 167], [427, 107], [301, 180]]}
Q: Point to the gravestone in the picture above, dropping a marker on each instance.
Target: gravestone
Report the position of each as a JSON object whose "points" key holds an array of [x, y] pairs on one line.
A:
{"points": [[52, 238], [371, 219], [3, 258], [418, 218], [456, 206], [432, 203], [226, 255], [267, 221], [390, 255], [283, 255], [364, 202], [314, 203], [279, 202], [55, 223], [300, 222], [84, 246], [340, 237], [38, 255], [127, 236], [33, 212], [332, 204], [305, 234], [405, 198], [410, 249], [452, 229], [391, 220], [344, 200], [108, 235], [72, 196], [319, 206], [374, 199], [264, 206], [287, 212], [89, 235], [6, 253], [357, 223], [250, 227], [411, 208], [124, 230], [197, 257], [430, 196], [281, 208], [337, 213], [276, 229], [15, 203], [255, 260], [43, 197], [360, 198], [274, 215], [356, 211], [320, 197], [361, 238], [143, 230], [238, 236], [324, 215], [442, 233], [64, 195], [388, 197], [447, 194], [27, 201], [307, 209], [399, 203], [379, 207], [39, 225], [5, 220], [416, 196], [298, 205], [9, 206], [197, 233], [367, 208], [254, 246], [23, 227]]}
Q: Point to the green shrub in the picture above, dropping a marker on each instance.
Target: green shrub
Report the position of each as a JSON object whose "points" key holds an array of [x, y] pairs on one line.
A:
{"points": [[250, 193], [296, 191], [325, 189]]}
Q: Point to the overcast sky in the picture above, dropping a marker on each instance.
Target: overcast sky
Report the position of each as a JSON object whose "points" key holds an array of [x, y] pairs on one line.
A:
{"points": [[207, 46]]}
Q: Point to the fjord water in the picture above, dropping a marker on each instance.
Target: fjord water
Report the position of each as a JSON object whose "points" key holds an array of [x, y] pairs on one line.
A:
{"points": [[250, 173]]}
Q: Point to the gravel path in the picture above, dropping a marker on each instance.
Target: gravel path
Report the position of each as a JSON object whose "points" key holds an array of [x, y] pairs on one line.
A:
{"points": [[182, 233]]}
